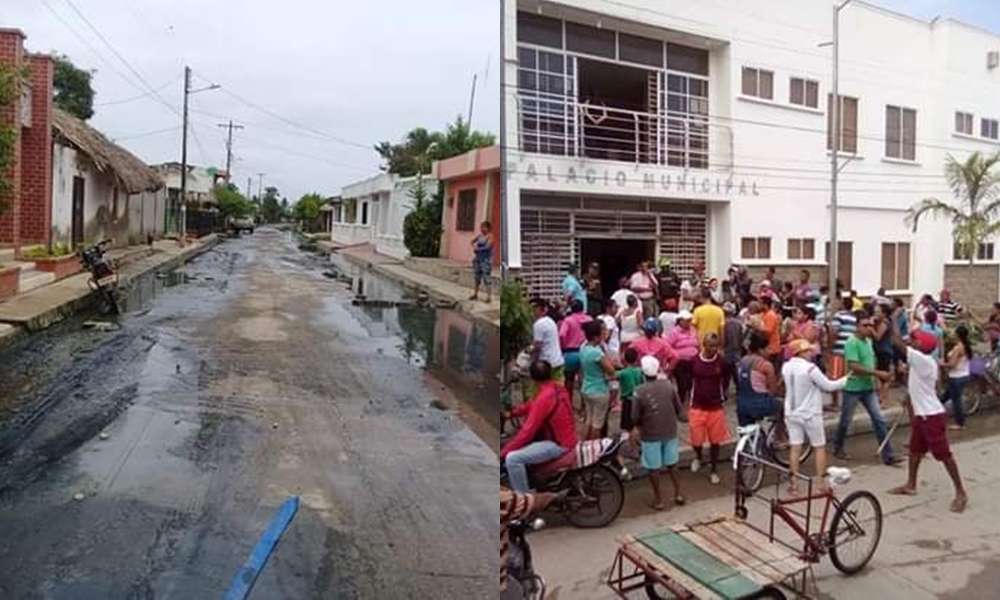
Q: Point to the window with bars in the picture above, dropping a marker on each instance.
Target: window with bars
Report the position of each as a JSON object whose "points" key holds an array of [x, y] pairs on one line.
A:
{"points": [[848, 124], [985, 252], [988, 129], [465, 214], [801, 248], [758, 83], [896, 265], [803, 92], [687, 121], [545, 84], [900, 132], [963, 122], [755, 247]]}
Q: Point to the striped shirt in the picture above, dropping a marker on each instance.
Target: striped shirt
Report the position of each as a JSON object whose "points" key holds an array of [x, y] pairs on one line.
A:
{"points": [[949, 310], [513, 507], [844, 325]]}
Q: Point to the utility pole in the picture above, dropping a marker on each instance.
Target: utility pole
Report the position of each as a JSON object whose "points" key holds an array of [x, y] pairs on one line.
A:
{"points": [[472, 99], [249, 180], [836, 110], [184, 155], [229, 145]]}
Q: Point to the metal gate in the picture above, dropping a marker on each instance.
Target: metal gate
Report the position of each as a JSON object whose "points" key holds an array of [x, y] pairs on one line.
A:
{"points": [[549, 240]]}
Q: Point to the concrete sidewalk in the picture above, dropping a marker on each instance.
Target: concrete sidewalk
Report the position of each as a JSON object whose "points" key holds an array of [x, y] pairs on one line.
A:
{"points": [[40, 307], [437, 289]]}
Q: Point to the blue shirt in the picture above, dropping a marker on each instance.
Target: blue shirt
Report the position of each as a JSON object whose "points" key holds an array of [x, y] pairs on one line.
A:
{"points": [[938, 333], [571, 287], [593, 383]]}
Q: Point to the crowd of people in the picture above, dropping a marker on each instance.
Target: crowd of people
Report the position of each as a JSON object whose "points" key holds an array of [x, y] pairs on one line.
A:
{"points": [[661, 349]]}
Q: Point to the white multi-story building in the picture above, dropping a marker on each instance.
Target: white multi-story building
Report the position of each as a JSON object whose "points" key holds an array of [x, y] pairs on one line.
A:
{"points": [[371, 211], [637, 129]]}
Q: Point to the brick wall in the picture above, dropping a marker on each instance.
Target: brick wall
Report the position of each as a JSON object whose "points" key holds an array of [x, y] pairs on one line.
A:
{"points": [[36, 155], [12, 53], [977, 287]]}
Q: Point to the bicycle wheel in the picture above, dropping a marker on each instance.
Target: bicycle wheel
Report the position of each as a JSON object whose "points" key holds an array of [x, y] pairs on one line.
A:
{"points": [[855, 532], [973, 396], [750, 473], [780, 450]]}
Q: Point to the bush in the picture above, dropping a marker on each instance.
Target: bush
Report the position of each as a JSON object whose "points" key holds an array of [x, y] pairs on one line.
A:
{"points": [[58, 249], [422, 227], [515, 321]]}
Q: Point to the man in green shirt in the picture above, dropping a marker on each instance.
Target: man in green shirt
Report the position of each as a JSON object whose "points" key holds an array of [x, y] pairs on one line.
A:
{"points": [[859, 354]]}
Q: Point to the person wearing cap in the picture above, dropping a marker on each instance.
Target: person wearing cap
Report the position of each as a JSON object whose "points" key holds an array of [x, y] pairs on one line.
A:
{"points": [[572, 289], [651, 344], [643, 283], [667, 280], [656, 408], [804, 385], [928, 419], [683, 340]]}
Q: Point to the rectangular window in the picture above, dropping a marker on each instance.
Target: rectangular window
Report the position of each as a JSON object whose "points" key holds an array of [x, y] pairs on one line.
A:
{"points": [[590, 40], [900, 132], [758, 83], [896, 265], [848, 124], [756, 247], [465, 218], [364, 213], [539, 30], [801, 248], [985, 252], [803, 92], [640, 50], [963, 122], [988, 129], [687, 59]]}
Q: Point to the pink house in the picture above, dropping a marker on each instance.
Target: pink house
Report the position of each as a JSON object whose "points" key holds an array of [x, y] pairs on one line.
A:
{"points": [[471, 196]]}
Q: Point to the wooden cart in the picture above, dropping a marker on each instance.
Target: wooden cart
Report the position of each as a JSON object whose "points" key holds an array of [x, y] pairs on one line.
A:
{"points": [[722, 558]]}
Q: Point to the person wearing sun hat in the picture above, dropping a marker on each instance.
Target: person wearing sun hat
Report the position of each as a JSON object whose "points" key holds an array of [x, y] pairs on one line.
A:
{"points": [[804, 384], [928, 419]]}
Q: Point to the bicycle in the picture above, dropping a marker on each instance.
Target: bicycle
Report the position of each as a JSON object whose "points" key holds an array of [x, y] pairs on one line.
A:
{"points": [[764, 440]]}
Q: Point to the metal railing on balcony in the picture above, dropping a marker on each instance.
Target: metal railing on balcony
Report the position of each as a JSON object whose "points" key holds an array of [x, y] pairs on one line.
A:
{"points": [[560, 125]]}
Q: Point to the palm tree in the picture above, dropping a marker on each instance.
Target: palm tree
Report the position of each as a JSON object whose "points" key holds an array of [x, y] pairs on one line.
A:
{"points": [[976, 188]]}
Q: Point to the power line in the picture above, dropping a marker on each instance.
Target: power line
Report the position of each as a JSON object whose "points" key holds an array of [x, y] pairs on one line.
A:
{"points": [[140, 96], [133, 136]]}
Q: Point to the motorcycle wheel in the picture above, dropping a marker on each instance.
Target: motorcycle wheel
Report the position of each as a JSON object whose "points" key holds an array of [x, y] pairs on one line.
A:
{"points": [[595, 498]]}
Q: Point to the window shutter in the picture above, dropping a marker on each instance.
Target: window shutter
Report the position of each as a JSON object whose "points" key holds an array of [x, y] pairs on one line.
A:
{"points": [[812, 94], [888, 266], [794, 248], [749, 81], [748, 248], [909, 141], [903, 266], [763, 247], [892, 137], [796, 93], [809, 249], [766, 84]]}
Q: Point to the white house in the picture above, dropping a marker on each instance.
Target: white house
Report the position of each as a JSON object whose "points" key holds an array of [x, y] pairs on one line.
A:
{"points": [[199, 185], [699, 131], [371, 211]]}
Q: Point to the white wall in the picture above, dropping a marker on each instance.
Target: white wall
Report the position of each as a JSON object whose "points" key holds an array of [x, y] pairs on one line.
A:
{"points": [[886, 58]]}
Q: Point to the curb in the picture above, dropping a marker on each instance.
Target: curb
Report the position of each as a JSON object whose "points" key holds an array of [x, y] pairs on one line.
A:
{"points": [[43, 321]]}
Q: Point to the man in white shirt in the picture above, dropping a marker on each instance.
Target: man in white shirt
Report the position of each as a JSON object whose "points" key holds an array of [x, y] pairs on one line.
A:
{"points": [[804, 384], [928, 419], [545, 340], [620, 297]]}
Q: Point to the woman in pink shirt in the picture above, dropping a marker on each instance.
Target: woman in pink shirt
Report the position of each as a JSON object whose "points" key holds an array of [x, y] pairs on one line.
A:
{"points": [[803, 328], [683, 339], [651, 344], [571, 337]]}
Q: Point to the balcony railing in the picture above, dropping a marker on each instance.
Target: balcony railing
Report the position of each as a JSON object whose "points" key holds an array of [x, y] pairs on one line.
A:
{"points": [[555, 124]]}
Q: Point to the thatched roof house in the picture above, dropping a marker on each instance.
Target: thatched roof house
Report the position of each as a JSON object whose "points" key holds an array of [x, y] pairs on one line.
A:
{"points": [[132, 175]]}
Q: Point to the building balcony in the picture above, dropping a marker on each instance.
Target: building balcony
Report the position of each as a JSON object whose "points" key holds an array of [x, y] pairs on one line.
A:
{"points": [[350, 233]]}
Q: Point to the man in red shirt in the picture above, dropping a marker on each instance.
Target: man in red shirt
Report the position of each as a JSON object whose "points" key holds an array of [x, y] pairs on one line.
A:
{"points": [[771, 328], [547, 433]]}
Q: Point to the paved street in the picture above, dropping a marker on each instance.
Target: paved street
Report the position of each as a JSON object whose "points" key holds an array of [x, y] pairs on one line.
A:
{"points": [[246, 379], [926, 551]]}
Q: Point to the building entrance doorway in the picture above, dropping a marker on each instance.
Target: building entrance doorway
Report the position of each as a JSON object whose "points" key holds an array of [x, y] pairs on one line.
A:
{"points": [[617, 258]]}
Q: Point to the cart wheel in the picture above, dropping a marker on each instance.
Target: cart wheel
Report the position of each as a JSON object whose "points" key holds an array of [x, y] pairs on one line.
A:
{"points": [[655, 591], [742, 513], [855, 532]]}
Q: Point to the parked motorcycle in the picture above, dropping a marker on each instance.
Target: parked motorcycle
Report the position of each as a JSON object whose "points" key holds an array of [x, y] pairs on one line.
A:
{"points": [[587, 480], [103, 278], [520, 565]]}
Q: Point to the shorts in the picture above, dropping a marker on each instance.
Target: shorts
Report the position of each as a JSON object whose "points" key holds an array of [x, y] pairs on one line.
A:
{"points": [[801, 429], [614, 420], [929, 434], [572, 361], [482, 269], [838, 368], [883, 361], [597, 409], [658, 454], [707, 426]]}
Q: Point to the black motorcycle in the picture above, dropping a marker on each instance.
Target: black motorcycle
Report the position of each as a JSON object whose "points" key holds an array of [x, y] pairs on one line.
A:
{"points": [[523, 581], [103, 278]]}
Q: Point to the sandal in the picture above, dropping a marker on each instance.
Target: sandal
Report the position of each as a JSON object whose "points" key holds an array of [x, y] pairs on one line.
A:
{"points": [[958, 504]]}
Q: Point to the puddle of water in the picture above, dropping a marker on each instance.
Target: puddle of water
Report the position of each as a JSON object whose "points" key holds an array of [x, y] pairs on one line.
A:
{"points": [[462, 354]]}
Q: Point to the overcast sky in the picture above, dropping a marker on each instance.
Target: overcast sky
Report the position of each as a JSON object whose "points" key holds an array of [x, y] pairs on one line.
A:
{"points": [[360, 71]]}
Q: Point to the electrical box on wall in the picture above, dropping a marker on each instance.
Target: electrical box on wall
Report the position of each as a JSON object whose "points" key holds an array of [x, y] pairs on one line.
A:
{"points": [[993, 59]]}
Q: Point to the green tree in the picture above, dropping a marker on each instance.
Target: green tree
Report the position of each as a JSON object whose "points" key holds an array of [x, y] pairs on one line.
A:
{"points": [[974, 216], [422, 226], [11, 80], [515, 320], [307, 210], [270, 207], [72, 86], [420, 148], [231, 202]]}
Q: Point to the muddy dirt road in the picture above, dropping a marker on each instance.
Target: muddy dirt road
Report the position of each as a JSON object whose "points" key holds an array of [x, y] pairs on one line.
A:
{"points": [[245, 380]]}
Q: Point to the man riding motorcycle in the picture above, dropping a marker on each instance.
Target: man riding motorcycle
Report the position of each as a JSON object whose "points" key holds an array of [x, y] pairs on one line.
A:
{"points": [[548, 431]]}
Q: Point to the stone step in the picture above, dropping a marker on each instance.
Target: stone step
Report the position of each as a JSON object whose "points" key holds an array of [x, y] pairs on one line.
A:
{"points": [[6, 255], [32, 278]]}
